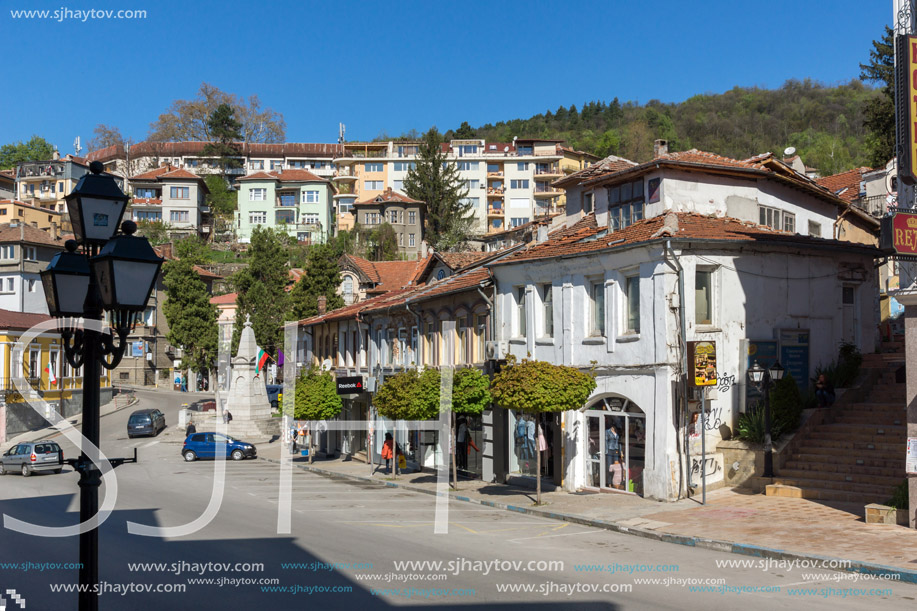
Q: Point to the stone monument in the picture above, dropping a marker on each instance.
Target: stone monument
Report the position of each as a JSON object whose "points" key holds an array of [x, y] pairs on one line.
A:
{"points": [[247, 396]]}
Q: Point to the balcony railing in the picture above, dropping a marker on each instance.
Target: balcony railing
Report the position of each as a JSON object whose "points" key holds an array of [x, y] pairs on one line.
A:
{"points": [[494, 211], [875, 205], [496, 191]]}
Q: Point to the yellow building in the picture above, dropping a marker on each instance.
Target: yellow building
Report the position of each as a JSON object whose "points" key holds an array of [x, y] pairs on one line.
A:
{"points": [[44, 373], [43, 218]]}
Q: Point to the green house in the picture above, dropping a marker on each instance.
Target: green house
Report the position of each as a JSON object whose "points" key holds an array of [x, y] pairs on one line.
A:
{"points": [[297, 201]]}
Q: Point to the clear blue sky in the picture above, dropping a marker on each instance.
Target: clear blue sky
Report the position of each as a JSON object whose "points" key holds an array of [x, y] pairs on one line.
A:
{"points": [[393, 66]]}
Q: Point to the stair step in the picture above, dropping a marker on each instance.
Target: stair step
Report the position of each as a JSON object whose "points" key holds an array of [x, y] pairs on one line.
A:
{"points": [[820, 484], [830, 479], [841, 461], [832, 445], [824, 495]]}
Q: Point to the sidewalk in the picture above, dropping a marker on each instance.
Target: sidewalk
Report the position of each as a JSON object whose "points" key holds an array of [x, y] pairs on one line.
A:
{"points": [[734, 520]]}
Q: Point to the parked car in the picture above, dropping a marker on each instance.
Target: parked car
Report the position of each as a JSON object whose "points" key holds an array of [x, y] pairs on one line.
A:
{"points": [[205, 445], [274, 392], [145, 422], [32, 456]]}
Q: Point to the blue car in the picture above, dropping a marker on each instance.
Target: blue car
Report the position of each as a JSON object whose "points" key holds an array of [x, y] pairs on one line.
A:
{"points": [[205, 445]]}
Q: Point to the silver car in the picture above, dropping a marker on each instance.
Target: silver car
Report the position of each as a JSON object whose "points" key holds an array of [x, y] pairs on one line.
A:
{"points": [[31, 456]]}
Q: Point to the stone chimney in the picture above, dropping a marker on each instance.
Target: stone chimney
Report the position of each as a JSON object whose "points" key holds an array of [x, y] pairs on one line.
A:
{"points": [[660, 147], [322, 304], [541, 233], [55, 235], [166, 250]]}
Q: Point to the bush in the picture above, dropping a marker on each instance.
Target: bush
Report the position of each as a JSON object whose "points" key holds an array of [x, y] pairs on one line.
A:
{"points": [[899, 498], [786, 405], [752, 427], [843, 372]]}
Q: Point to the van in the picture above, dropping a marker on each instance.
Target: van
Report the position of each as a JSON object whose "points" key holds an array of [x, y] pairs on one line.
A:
{"points": [[32, 456]]}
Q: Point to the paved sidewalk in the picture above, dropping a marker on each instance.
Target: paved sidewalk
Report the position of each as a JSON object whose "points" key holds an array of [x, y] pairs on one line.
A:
{"points": [[733, 520]]}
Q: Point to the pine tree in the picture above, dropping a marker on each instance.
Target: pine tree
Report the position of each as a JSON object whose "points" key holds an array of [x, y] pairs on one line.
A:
{"points": [[192, 318], [322, 278], [880, 111], [464, 131], [261, 289], [437, 183], [227, 132]]}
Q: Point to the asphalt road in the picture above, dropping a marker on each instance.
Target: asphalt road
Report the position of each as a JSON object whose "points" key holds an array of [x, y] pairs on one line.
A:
{"points": [[346, 538]]}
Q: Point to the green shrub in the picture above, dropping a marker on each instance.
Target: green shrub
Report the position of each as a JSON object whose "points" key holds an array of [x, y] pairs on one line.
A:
{"points": [[899, 498], [786, 405]]}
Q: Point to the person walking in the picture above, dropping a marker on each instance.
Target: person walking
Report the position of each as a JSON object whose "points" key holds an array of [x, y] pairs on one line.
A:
{"points": [[387, 454], [613, 455], [461, 444], [227, 417], [191, 429]]}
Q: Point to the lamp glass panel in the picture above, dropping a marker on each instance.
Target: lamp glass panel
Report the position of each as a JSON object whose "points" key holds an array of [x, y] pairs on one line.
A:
{"points": [[71, 292], [100, 217], [776, 372], [756, 374], [47, 283], [133, 283]]}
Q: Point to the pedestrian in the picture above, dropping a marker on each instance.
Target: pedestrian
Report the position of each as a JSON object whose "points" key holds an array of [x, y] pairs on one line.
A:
{"points": [[461, 444], [293, 434], [191, 428], [613, 455], [824, 391], [387, 447], [227, 417]]}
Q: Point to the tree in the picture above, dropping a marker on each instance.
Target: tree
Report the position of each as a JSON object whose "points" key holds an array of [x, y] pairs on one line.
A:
{"points": [[470, 397], [157, 232], [437, 183], [36, 149], [880, 111], [261, 289], [322, 278], [464, 131], [192, 318], [408, 395], [225, 131], [188, 119], [381, 242], [316, 398], [105, 136], [538, 387]]}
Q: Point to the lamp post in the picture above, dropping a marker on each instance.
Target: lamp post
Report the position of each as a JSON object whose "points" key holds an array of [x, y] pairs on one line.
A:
{"points": [[113, 273], [765, 379]]}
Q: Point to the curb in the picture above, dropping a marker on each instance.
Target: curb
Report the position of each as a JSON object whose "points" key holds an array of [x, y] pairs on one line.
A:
{"points": [[51, 427], [743, 549]]}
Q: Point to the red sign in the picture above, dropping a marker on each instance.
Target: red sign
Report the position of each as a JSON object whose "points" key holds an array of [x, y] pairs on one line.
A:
{"points": [[904, 233]]}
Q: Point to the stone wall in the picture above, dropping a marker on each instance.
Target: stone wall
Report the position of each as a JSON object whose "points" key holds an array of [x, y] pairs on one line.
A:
{"points": [[21, 418]]}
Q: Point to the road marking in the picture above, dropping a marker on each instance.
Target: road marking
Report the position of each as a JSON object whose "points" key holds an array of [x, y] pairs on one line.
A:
{"points": [[152, 443], [584, 532]]}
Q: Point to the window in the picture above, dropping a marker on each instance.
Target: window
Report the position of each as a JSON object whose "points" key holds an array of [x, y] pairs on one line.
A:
{"points": [[405, 151], [814, 229], [179, 216], [703, 297], [347, 287], [479, 335], [404, 166], [474, 202], [625, 204], [519, 184], [30, 253], [285, 217], [257, 195], [473, 185], [518, 221], [400, 239], [520, 311], [410, 239], [372, 167], [179, 192], [547, 299], [415, 341], [310, 218], [493, 168], [467, 149], [632, 294], [398, 185], [777, 219], [10, 285], [142, 215], [257, 217], [412, 217], [597, 303], [848, 296], [60, 187], [372, 185], [310, 197], [33, 284], [393, 216], [522, 166], [587, 203], [145, 193], [276, 165], [467, 166], [287, 199], [256, 164], [2, 211], [8, 251]]}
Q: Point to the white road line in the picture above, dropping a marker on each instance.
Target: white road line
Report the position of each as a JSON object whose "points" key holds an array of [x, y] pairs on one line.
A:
{"points": [[152, 443]]}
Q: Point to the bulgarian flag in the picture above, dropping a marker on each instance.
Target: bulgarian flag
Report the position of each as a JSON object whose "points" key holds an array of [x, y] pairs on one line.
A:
{"points": [[49, 368], [263, 358]]}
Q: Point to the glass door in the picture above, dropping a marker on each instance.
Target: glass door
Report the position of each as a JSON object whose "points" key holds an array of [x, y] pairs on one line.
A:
{"points": [[595, 456]]}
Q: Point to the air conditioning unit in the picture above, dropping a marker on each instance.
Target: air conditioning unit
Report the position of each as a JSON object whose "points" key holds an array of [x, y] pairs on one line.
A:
{"points": [[496, 350]]}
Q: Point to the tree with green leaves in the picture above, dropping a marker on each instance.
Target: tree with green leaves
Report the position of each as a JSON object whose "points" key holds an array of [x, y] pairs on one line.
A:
{"points": [[36, 149], [436, 182], [157, 232], [316, 398], [381, 242], [322, 277], [880, 110], [225, 132], [537, 387], [192, 318], [464, 131], [222, 201], [470, 397], [261, 289], [408, 395]]}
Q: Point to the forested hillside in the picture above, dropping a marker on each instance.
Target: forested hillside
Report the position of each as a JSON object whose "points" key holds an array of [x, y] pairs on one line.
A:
{"points": [[825, 124]]}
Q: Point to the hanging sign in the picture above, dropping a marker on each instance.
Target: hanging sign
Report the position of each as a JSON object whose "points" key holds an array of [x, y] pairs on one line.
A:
{"points": [[702, 363], [350, 385]]}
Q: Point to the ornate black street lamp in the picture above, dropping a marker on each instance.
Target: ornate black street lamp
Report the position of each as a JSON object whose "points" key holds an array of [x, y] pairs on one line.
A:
{"points": [[114, 273], [765, 379]]}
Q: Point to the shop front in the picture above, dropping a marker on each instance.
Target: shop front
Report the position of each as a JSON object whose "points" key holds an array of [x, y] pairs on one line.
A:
{"points": [[615, 445]]}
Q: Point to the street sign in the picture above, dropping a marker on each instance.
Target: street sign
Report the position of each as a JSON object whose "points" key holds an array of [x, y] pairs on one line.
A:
{"points": [[350, 385], [702, 363], [911, 460]]}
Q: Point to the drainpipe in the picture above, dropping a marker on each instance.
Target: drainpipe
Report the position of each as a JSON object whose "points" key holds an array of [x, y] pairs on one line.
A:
{"points": [[684, 358], [490, 308], [419, 355]]}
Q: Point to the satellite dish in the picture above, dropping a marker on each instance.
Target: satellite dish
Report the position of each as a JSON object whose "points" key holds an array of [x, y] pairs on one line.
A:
{"points": [[789, 151], [505, 149], [326, 365]]}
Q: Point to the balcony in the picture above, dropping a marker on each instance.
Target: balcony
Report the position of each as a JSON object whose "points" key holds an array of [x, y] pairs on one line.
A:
{"points": [[495, 211], [549, 172], [543, 191], [347, 174], [495, 192], [146, 201], [495, 174]]}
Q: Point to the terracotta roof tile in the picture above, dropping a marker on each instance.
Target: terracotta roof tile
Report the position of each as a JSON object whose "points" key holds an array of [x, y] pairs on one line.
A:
{"points": [[203, 273], [227, 299], [285, 176], [21, 320], [609, 165], [388, 196], [394, 274], [460, 260], [28, 234], [163, 149], [845, 185]]}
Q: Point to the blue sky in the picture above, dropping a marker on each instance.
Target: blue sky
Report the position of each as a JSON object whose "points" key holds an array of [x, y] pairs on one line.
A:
{"points": [[393, 66]]}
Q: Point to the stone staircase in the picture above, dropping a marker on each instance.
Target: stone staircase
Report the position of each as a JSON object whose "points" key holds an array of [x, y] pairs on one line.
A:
{"points": [[857, 453], [256, 431]]}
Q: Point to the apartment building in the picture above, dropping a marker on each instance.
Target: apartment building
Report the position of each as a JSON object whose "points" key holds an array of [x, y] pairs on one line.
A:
{"points": [[405, 215], [296, 200], [173, 196], [24, 252], [43, 218]]}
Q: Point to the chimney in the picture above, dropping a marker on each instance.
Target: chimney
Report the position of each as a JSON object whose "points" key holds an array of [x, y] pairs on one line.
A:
{"points": [[54, 233], [55, 155], [166, 250], [542, 233], [660, 147], [322, 304]]}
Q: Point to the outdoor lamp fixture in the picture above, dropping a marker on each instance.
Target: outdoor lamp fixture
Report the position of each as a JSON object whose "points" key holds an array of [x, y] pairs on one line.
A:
{"points": [[764, 380], [114, 273]]}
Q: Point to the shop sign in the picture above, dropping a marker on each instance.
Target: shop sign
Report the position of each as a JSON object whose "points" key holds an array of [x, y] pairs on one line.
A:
{"points": [[904, 233], [350, 385], [910, 464], [794, 354], [702, 363]]}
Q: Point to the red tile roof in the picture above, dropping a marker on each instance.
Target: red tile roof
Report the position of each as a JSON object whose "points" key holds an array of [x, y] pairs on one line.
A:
{"points": [[164, 149], [388, 275], [227, 299], [285, 176], [21, 320], [584, 237], [609, 165], [389, 196], [845, 185], [169, 172], [28, 235], [461, 260], [203, 273]]}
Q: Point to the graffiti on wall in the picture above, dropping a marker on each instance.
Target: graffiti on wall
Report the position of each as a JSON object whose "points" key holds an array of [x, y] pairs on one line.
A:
{"points": [[725, 382], [710, 465]]}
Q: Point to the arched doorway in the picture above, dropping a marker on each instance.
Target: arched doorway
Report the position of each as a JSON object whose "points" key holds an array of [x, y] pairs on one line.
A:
{"points": [[615, 445]]}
